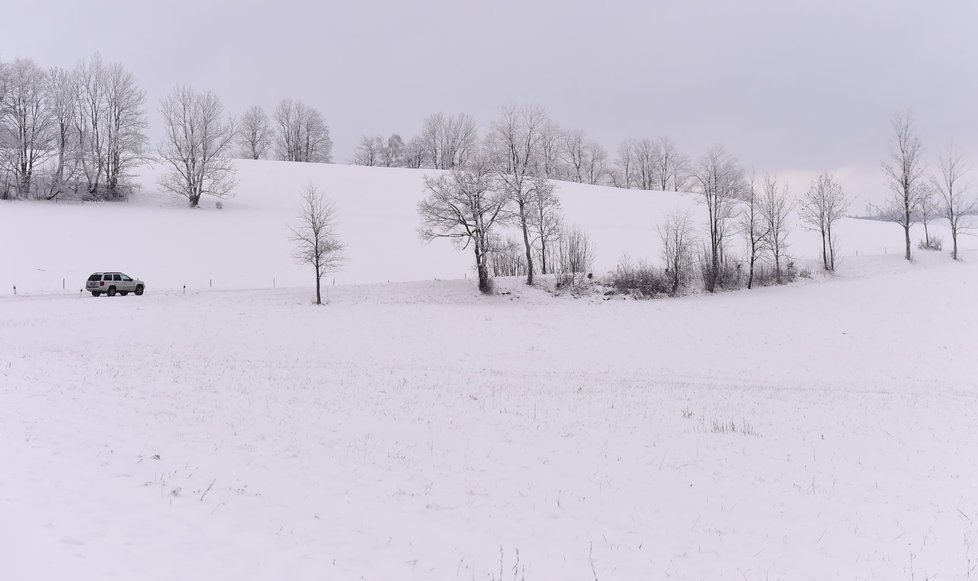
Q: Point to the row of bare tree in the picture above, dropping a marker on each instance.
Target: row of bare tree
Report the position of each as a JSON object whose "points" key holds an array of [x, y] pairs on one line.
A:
{"points": [[920, 194], [89, 122], [449, 142]]}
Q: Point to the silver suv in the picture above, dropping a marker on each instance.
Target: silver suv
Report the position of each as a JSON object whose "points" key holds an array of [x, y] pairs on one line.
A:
{"points": [[111, 283]]}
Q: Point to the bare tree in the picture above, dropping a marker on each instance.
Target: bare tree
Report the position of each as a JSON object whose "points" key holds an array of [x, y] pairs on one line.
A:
{"points": [[197, 145], [905, 175], [464, 205], [595, 163], [448, 142], [110, 124], [302, 133], [549, 163], [646, 164], [755, 228], [575, 154], [720, 180], [955, 198], [369, 152], [667, 157], [682, 173], [823, 206], [575, 256], [315, 236], [678, 243], [393, 152], [514, 143], [62, 97], [254, 133], [775, 207], [26, 122], [414, 154], [544, 218], [624, 172], [927, 211]]}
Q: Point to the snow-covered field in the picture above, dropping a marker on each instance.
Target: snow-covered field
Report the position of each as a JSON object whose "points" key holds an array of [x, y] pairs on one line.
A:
{"points": [[414, 430], [54, 247], [418, 431]]}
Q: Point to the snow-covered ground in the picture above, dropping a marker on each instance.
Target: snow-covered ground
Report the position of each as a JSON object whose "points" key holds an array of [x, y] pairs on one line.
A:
{"points": [[824, 430], [413, 429], [51, 247]]}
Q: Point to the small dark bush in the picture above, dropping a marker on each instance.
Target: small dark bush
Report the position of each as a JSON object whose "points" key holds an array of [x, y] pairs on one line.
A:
{"points": [[642, 281], [935, 243]]}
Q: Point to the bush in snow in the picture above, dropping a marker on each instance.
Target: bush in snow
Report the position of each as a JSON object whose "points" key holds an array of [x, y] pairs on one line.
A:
{"points": [[574, 257], [642, 281], [931, 243]]}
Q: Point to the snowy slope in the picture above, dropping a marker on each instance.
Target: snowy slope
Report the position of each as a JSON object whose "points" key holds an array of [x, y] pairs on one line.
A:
{"points": [[419, 431], [246, 245]]}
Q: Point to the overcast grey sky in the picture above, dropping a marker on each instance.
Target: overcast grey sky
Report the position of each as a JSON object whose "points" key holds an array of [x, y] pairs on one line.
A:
{"points": [[789, 87]]}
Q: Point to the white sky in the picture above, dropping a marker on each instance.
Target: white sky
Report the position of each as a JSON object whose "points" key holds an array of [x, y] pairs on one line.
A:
{"points": [[791, 87]]}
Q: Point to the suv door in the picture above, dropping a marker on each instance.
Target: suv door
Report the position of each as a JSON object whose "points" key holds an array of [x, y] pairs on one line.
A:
{"points": [[127, 284]]}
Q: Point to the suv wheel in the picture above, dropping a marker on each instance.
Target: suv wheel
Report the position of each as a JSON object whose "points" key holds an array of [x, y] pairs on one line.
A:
{"points": [[111, 292], [123, 293], [95, 293], [139, 289]]}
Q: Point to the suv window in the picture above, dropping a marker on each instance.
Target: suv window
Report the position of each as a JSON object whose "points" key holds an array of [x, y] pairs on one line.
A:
{"points": [[126, 278], [116, 277], [95, 278]]}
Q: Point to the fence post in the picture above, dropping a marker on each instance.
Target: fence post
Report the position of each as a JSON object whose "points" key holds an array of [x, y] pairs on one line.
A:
{"points": [[184, 289]]}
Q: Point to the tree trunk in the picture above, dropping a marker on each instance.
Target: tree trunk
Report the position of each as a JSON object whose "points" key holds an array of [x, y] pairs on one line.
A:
{"points": [[825, 253], [485, 282], [926, 234], [319, 280], [543, 255], [830, 266], [526, 242], [954, 241], [906, 232]]}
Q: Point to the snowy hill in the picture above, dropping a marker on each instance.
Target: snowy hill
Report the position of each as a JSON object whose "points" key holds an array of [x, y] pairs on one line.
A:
{"points": [[247, 245]]}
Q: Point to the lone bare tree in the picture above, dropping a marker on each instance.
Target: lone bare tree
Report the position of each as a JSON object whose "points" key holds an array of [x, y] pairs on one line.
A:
{"points": [[955, 198], [823, 206], [302, 133], [197, 145], [721, 181], [905, 175], [678, 243], [254, 133], [464, 205], [775, 207], [316, 238]]}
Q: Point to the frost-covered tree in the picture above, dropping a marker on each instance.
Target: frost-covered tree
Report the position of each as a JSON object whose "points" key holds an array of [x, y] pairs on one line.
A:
{"points": [[544, 218], [414, 154], [26, 123], [303, 135], [906, 176], [197, 145], [393, 151], [465, 206], [316, 238], [369, 152], [448, 142], [514, 142], [775, 206], [667, 158], [754, 228], [110, 124], [254, 133], [956, 199], [623, 176], [720, 180], [62, 97], [595, 163], [822, 207], [678, 249]]}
